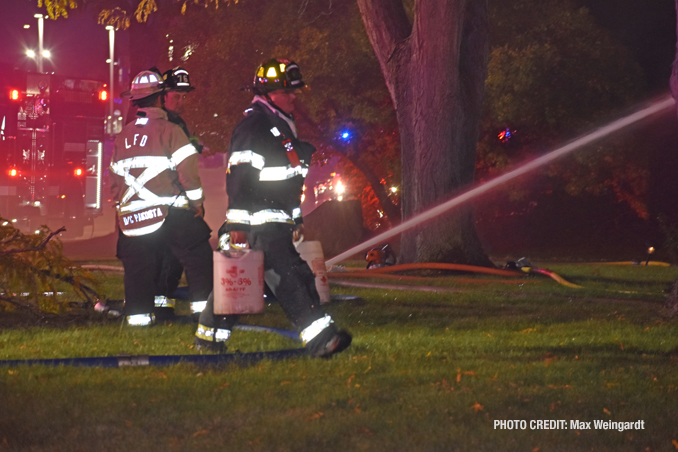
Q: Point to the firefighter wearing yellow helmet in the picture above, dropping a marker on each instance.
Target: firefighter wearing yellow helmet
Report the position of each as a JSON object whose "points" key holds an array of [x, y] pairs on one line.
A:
{"points": [[267, 165], [154, 178]]}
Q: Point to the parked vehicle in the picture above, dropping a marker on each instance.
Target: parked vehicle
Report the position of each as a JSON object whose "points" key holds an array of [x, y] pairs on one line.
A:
{"points": [[51, 150]]}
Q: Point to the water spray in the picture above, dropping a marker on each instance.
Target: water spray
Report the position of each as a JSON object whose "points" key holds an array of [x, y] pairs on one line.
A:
{"points": [[656, 107]]}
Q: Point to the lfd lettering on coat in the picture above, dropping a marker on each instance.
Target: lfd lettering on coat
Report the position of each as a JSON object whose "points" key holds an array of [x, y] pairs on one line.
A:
{"points": [[142, 141]]}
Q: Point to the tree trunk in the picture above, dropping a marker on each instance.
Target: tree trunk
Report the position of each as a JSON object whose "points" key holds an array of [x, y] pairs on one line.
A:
{"points": [[435, 70], [674, 67]]}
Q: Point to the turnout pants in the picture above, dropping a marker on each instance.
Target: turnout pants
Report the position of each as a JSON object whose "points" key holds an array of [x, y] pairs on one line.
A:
{"points": [[286, 274], [169, 274], [187, 237]]}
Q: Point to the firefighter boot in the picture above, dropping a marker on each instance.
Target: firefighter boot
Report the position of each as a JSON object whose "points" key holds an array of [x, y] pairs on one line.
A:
{"points": [[326, 345], [209, 346], [164, 314], [208, 339]]}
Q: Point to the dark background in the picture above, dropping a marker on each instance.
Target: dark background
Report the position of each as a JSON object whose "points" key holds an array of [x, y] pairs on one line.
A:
{"points": [[581, 228]]}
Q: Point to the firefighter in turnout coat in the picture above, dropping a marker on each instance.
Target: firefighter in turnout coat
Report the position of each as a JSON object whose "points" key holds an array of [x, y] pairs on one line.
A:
{"points": [[266, 170], [154, 172]]}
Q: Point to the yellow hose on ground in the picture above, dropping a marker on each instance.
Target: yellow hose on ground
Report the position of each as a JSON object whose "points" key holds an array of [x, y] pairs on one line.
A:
{"points": [[556, 277]]}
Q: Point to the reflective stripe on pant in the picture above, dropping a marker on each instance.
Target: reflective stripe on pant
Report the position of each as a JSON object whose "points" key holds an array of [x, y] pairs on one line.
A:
{"points": [[198, 306], [188, 239], [140, 319], [162, 301], [286, 274], [212, 334]]}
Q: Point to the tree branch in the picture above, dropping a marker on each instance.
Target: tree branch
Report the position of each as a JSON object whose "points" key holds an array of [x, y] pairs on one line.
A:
{"points": [[16, 234], [387, 26], [13, 301], [36, 248], [69, 279]]}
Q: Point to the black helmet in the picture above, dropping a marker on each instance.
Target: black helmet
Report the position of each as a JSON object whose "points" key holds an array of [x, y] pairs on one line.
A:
{"points": [[177, 80], [277, 74]]}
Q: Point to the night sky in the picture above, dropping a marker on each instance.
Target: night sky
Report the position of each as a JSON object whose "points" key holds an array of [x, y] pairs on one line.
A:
{"points": [[80, 46]]}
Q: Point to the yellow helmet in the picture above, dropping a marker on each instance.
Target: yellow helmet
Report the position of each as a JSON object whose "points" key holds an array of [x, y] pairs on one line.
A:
{"points": [[277, 74]]}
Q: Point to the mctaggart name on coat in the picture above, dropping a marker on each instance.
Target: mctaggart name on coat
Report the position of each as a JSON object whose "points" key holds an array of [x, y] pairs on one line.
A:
{"points": [[561, 424]]}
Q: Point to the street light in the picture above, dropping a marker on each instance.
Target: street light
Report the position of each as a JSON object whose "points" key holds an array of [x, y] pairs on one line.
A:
{"points": [[42, 52], [30, 53]]}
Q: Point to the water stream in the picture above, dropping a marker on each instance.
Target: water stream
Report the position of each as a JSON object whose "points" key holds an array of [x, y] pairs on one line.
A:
{"points": [[655, 107]]}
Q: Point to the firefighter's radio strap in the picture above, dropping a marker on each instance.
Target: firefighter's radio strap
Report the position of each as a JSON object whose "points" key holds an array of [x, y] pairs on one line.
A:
{"points": [[291, 153], [140, 210]]}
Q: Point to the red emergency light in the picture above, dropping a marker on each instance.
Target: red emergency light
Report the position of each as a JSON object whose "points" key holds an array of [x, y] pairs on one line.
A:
{"points": [[78, 172], [103, 94], [14, 94]]}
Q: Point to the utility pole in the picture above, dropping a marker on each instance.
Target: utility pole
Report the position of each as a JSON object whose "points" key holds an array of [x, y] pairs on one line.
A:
{"points": [[111, 73], [41, 22]]}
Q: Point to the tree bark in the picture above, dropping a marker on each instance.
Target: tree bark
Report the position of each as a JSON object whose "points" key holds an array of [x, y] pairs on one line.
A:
{"points": [[674, 68], [435, 70]]}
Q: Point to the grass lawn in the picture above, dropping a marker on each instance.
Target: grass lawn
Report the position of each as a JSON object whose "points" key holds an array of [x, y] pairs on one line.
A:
{"points": [[427, 371]]}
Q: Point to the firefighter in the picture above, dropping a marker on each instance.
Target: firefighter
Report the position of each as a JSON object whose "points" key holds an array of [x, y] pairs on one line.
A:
{"points": [[266, 170], [176, 85], [154, 172]]}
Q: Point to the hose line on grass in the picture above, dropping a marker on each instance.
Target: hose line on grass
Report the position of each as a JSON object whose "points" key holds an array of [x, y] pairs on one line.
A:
{"points": [[160, 360], [265, 329], [555, 277], [383, 272]]}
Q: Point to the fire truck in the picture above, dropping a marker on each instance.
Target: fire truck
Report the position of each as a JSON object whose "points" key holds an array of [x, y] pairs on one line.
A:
{"points": [[51, 150]]}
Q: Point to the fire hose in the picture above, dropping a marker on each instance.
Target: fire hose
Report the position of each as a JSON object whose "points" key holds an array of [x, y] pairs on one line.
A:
{"points": [[160, 360], [384, 272], [168, 360]]}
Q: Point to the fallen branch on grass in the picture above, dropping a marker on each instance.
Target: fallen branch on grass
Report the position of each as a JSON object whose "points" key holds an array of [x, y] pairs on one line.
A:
{"points": [[39, 247]]}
